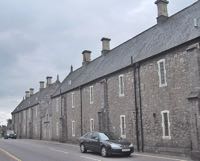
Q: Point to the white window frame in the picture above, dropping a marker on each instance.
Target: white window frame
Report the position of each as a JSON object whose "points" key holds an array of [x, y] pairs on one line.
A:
{"points": [[163, 125], [91, 124], [121, 130], [29, 113], [159, 73], [57, 104], [36, 111], [72, 95], [57, 128], [121, 92], [91, 94], [73, 128]]}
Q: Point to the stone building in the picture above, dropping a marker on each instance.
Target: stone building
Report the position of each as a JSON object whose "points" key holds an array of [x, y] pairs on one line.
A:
{"points": [[146, 90], [32, 117]]}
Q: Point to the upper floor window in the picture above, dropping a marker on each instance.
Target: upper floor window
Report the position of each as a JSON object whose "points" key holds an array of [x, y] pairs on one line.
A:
{"points": [[121, 85], [36, 111], [123, 126], [73, 128], [29, 112], [57, 104], [72, 100], [162, 73], [165, 125], [91, 125], [91, 95]]}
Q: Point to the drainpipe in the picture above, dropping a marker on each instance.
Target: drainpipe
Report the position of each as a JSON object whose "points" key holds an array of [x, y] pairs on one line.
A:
{"points": [[136, 108], [81, 102], [140, 104]]}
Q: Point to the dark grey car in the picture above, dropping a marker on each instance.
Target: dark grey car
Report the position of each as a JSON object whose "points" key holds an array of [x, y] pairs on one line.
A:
{"points": [[105, 144]]}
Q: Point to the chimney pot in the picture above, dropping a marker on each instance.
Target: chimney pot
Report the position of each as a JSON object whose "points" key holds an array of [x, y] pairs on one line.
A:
{"points": [[86, 56], [27, 94], [105, 45], [49, 80], [41, 85], [31, 91], [162, 10]]}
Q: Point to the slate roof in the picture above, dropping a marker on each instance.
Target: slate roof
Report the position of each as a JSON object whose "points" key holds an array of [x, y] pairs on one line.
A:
{"points": [[177, 30], [37, 97]]}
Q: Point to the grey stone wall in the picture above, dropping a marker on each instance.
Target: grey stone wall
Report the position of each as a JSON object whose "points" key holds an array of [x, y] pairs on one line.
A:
{"points": [[173, 97]]}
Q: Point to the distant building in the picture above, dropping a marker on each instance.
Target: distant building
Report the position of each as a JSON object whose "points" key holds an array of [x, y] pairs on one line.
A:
{"points": [[146, 90]]}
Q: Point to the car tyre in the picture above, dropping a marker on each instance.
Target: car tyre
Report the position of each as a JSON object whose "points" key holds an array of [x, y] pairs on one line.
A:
{"points": [[104, 152], [82, 148], [129, 154]]}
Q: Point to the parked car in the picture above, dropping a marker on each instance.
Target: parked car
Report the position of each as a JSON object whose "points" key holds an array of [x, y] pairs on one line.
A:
{"points": [[10, 134], [105, 144]]}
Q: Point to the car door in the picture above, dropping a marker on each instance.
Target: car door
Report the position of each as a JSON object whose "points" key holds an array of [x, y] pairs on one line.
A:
{"points": [[87, 141], [95, 142]]}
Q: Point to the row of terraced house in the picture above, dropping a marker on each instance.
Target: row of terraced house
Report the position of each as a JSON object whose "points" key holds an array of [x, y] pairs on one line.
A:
{"points": [[146, 90]]}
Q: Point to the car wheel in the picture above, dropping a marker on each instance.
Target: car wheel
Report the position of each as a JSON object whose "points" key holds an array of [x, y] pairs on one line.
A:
{"points": [[82, 148], [104, 152], [128, 154]]}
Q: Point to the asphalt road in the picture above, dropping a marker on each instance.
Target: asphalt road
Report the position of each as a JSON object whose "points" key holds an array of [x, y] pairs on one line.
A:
{"points": [[34, 150]]}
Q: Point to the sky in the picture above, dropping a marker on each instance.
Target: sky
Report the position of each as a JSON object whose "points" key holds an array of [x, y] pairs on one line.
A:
{"points": [[40, 38]]}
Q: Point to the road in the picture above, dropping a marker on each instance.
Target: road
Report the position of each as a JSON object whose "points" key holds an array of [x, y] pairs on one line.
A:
{"points": [[35, 150]]}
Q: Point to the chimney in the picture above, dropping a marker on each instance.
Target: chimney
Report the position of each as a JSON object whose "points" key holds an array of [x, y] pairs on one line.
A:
{"points": [[48, 80], [27, 94], [162, 10], [31, 91], [105, 45], [71, 70], [41, 85], [86, 57]]}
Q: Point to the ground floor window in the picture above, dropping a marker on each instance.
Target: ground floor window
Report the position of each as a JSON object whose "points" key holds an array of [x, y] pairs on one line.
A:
{"points": [[57, 128], [165, 124], [91, 125], [73, 128], [123, 126]]}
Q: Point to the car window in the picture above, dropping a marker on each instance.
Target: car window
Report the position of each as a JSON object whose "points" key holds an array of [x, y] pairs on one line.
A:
{"points": [[88, 135], [95, 136], [10, 132], [102, 136]]}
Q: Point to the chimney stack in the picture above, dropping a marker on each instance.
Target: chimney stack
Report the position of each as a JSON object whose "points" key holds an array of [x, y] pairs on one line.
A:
{"points": [[162, 10], [105, 45], [41, 85], [27, 94], [71, 70], [86, 57], [31, 91], [48, 80]]}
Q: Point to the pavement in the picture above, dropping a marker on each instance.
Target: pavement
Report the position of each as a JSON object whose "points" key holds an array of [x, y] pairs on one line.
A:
{"points": [[36, 150]]}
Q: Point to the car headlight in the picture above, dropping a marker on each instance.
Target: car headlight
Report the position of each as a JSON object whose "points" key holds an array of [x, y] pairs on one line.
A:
{"points": [[115, 146], [131, 145]]}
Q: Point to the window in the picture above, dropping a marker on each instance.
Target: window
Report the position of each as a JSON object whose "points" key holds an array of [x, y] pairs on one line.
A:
{"points": [[36, 129], [72, 100], [57, 128], [123, 126], [36, 111], [165, 125], [91, 125], [162, 73], [73, 128], [91, 95], [29, 112], [57, 104], [121, 85]]}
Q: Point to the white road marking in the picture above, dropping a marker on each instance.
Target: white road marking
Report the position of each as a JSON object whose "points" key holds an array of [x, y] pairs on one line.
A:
{"points": [[10, 155], [153, 156], [90, 158], [59, 150]]}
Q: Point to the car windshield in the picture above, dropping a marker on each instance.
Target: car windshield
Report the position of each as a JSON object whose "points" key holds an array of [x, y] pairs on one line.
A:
{"points": [[10, 132], [107, 136]]}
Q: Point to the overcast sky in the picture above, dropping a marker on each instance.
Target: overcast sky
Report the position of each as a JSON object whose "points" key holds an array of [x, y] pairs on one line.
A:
{"points": [[40, 38]]}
